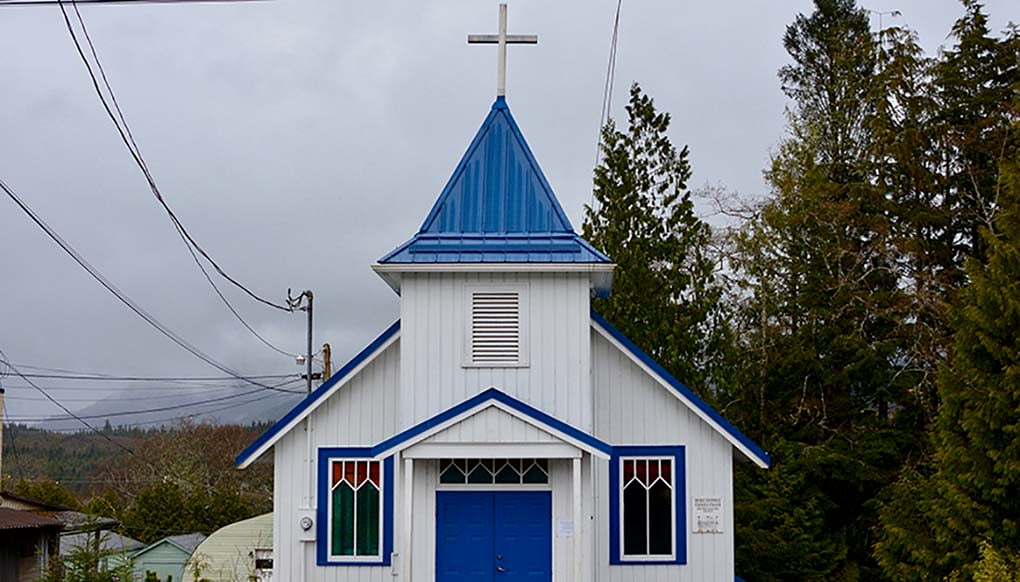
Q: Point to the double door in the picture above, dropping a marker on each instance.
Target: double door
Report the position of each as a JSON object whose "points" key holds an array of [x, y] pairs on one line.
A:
{"points": [[493, 536]]}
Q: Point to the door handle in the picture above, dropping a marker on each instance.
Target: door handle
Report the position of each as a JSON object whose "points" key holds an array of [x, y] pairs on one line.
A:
{"points": [[500, 569]]}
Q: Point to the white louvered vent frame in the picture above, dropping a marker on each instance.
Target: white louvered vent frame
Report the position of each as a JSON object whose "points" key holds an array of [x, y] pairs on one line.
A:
{"points": [[495, 330]]}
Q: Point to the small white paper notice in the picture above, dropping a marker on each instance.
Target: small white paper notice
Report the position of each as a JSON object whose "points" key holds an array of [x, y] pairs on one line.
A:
{"points": [[708, 515], [565, 528]]}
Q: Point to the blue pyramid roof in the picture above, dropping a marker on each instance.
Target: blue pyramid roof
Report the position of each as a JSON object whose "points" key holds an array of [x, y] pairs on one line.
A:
{"points": [[497, 208]]}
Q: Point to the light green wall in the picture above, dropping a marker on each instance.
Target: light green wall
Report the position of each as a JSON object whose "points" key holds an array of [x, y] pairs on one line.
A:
{"points": [[164, 559]]}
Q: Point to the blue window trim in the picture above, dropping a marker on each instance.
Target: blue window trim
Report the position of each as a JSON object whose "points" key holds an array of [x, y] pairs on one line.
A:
{"points": [[679, 493], [322, 518]]}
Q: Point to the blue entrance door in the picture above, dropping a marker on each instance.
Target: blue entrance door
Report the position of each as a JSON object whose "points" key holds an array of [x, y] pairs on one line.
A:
{"points": [[493, 536]]}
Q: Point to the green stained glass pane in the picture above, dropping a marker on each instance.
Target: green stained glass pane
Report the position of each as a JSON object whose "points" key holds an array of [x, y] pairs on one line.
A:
{"points": [[343, 521], [507, 475], [535, 474], [479, 475], [451, 475], [368, 521]]}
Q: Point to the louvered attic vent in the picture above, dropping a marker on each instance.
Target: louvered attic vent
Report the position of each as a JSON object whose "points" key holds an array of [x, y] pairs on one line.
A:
{"points": [[495, 328]]}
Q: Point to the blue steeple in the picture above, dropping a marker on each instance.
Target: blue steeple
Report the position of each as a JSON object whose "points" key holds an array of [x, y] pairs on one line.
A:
{"points": [[497, 208]]}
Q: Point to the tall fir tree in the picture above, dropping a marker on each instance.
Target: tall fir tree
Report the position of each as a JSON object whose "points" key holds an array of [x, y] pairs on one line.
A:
{"points": [[665, 294], [823, 378], [977, 435]]}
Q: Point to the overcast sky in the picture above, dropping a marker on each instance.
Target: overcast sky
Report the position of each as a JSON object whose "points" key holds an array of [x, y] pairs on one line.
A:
{"points": [[301, 140]]}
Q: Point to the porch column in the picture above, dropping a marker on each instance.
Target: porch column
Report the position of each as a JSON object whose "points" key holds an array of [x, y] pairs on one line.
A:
{"points": [[408, 514], [577, 518]]}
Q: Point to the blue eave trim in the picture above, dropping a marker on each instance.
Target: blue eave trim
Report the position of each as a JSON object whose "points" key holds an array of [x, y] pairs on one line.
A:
{"points": [[322, 505], [683, 390], [679, 455], [547, 247], [483, 397], [319, 392]]}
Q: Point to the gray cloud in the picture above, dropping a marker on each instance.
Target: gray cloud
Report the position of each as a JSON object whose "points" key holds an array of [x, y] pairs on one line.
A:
{"points": [[300, 140]]}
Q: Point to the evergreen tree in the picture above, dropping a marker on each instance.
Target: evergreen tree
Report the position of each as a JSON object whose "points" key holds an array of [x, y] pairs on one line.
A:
{"points": [[974, 84], [823, 380], [977, 435], [665, 295]]}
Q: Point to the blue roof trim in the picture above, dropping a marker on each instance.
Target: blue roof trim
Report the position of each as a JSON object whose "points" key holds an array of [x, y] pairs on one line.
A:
{"points": [[497, 207], [682, 389], [489, 248], [319, 392], [481, 398]]}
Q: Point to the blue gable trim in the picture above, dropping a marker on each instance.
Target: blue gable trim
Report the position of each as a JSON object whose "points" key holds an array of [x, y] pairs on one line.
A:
{"points": [[679, 498], [319, 392], [682, 389], [497, 207], [322, 503], [486, 396]]}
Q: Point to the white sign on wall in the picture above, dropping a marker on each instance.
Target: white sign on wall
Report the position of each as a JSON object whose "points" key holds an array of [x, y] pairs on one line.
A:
{"points": [[708, 515]]}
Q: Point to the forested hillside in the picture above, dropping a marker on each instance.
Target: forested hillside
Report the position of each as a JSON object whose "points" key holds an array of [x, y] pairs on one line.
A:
{"points": [[156, 482]]}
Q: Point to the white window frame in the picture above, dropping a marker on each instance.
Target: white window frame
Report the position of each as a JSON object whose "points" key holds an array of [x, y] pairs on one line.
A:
{"points": [[625, 557], [375, 558], [521, 289]]}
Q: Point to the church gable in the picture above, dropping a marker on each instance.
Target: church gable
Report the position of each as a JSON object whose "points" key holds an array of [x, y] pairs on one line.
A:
{"points": [[492, 425]]}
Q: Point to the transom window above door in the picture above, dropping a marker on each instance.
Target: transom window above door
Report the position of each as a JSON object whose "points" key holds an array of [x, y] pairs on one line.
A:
{"points": [[494, 471]]}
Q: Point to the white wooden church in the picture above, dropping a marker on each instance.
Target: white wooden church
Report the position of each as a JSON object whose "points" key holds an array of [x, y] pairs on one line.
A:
{"points": [[500, 430]]}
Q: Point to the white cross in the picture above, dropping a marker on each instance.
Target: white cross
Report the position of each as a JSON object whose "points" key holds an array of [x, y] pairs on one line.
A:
{"points": [[502, 39]]}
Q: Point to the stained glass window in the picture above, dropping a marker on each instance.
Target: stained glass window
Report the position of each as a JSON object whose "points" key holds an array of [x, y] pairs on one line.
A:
{"points": [[356, 487], [494, 471], [648, 507]]}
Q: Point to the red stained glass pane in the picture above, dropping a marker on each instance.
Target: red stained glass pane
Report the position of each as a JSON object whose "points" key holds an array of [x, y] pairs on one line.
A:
{"points": [[667, 469], [338, 472], [362, 472], [628, 471], [653, 471], [349, 468], [373, 472], [642, 471]]}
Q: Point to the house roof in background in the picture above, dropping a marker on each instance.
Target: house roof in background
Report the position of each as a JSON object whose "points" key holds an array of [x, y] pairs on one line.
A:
{"points": [[497, 207], [110, 542], [184, 542], [21, 519]]}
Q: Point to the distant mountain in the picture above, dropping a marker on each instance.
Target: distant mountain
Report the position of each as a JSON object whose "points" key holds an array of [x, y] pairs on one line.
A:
{"points": [[240, 405]]}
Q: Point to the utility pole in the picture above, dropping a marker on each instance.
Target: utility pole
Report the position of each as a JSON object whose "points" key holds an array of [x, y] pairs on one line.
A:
{"points": [[2, 435], [327, 361], [303, 302]]}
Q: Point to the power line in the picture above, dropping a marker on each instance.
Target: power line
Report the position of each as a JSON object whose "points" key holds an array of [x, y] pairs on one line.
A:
{"points": [[14, 442], [187, 416], [61, 406], [154, 390], [148, 410], [56, 2], [160, 396], [607, 91], [155, 323], [106, 378], [127, 137]]}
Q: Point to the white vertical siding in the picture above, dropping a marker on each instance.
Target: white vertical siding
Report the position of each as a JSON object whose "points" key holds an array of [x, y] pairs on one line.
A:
{"points": [[634, 409], [360, 413], [556, 322]]}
